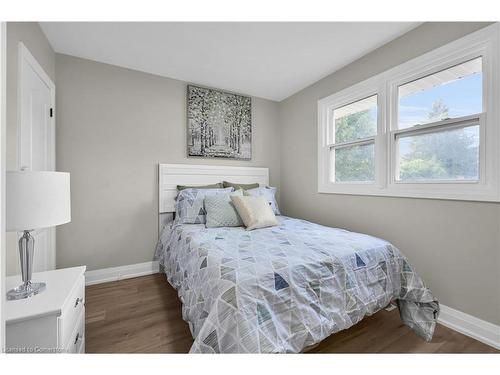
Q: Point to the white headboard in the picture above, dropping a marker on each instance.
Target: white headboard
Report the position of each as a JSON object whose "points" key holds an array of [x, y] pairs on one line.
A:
{"points": [[171, 175]]}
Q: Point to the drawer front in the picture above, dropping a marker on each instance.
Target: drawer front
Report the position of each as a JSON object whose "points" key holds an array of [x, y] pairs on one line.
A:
{"points": [[34, 335], [71, 312], [76, 343]]}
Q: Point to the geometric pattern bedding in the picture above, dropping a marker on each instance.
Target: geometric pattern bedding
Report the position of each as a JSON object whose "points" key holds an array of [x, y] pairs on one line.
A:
{"points": [[281, 289]]}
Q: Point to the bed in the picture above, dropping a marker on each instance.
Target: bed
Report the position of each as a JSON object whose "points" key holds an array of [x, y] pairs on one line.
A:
{"points": [[280, 289]]}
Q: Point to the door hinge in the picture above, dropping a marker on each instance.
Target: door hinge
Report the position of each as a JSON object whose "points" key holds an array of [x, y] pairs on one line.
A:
{"points": [[51, 112]]}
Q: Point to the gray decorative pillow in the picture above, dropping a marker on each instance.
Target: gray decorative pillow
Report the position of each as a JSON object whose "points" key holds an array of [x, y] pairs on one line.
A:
{"points": [[189, 204], [267, 192], [221, 212]]}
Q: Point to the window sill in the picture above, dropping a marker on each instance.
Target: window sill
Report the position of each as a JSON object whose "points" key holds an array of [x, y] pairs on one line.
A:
{"points": [[446, 192]]}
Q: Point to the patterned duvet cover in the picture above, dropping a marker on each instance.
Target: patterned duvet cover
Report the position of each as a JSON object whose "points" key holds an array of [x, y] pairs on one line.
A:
{"points": [[281, 289]]}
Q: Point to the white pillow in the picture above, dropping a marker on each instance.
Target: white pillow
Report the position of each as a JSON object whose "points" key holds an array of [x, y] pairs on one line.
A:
{"points": [[255, 212]]}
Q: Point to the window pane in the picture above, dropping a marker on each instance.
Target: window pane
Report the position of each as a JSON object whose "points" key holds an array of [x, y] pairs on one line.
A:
{"points": [[445, 155], [450, 93], [356, 120], [355, 163]]}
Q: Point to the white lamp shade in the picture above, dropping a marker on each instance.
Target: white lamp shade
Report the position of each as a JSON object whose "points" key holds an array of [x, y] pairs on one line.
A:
{"points": [[37, 199]]}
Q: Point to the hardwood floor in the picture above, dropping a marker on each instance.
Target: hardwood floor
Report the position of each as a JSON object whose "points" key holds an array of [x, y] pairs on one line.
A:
{"points": [[143, 315]]}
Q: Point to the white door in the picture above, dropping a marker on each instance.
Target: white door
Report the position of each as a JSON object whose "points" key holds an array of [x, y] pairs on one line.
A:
{"points": [[36, 141]]}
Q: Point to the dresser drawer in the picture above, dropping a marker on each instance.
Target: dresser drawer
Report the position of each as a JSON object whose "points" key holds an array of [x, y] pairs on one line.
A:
{"points": [[71, 312], [76, 343]]}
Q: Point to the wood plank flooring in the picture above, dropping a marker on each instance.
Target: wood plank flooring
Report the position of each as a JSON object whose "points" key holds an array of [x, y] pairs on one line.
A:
{"points": [[143, 315]]}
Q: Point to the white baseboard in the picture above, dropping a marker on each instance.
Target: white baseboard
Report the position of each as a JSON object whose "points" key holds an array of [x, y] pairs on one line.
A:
{"points": [[471, 326], [119, 273]]}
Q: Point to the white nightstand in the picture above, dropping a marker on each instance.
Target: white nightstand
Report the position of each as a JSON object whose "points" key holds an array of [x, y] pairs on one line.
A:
{"points": [[52, 321]]}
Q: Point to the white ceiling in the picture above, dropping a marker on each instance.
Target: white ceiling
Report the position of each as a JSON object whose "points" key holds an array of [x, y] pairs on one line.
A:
{"points": [[269, 60]]}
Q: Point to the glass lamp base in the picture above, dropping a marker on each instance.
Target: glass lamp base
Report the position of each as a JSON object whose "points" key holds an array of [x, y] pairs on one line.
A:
{"points": [[25, 291]]}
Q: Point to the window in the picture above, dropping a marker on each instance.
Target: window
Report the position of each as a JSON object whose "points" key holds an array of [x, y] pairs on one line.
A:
{"points": [[451, 93], [447, 147], [428, 128], [354, 129], [449, 154]]}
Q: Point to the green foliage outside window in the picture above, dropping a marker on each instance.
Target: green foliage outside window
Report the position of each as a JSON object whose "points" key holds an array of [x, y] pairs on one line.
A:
{"points": [[355, 163], [443, 155]]}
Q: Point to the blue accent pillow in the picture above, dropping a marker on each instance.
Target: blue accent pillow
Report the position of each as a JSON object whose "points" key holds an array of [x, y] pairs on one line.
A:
{"points": [[267, 192], [189, 206]]}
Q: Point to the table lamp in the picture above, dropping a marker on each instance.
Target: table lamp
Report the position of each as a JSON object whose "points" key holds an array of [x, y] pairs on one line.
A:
{"points": [[34, 200]]}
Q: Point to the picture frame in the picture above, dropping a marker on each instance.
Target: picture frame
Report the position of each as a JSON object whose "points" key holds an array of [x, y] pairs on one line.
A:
{"points": [[219, 124]]}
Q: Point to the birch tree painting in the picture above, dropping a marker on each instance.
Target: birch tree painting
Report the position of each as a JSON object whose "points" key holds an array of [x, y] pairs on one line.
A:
{"points": [[219, 124]]}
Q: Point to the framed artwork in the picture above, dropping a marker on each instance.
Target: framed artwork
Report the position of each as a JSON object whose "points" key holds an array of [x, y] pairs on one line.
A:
{"points": [[219, 124]]}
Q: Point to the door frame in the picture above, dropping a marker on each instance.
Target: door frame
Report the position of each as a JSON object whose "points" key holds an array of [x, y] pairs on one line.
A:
{"points": [[25, 56]]}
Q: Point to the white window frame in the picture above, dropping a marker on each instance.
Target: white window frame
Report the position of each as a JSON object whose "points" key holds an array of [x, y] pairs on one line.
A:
{"points": [[484, 43], [327, 106]]}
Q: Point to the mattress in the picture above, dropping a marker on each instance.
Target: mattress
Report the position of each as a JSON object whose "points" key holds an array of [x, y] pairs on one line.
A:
{"points": [[284, 288]]}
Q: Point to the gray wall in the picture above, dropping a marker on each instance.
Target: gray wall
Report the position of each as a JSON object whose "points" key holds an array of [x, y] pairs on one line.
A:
{"points": [[34, 39], [114, 126], [454, 245]]}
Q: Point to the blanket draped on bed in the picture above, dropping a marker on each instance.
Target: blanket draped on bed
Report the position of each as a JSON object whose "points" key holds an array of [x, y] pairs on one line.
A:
{"points": [[281, 289]]}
